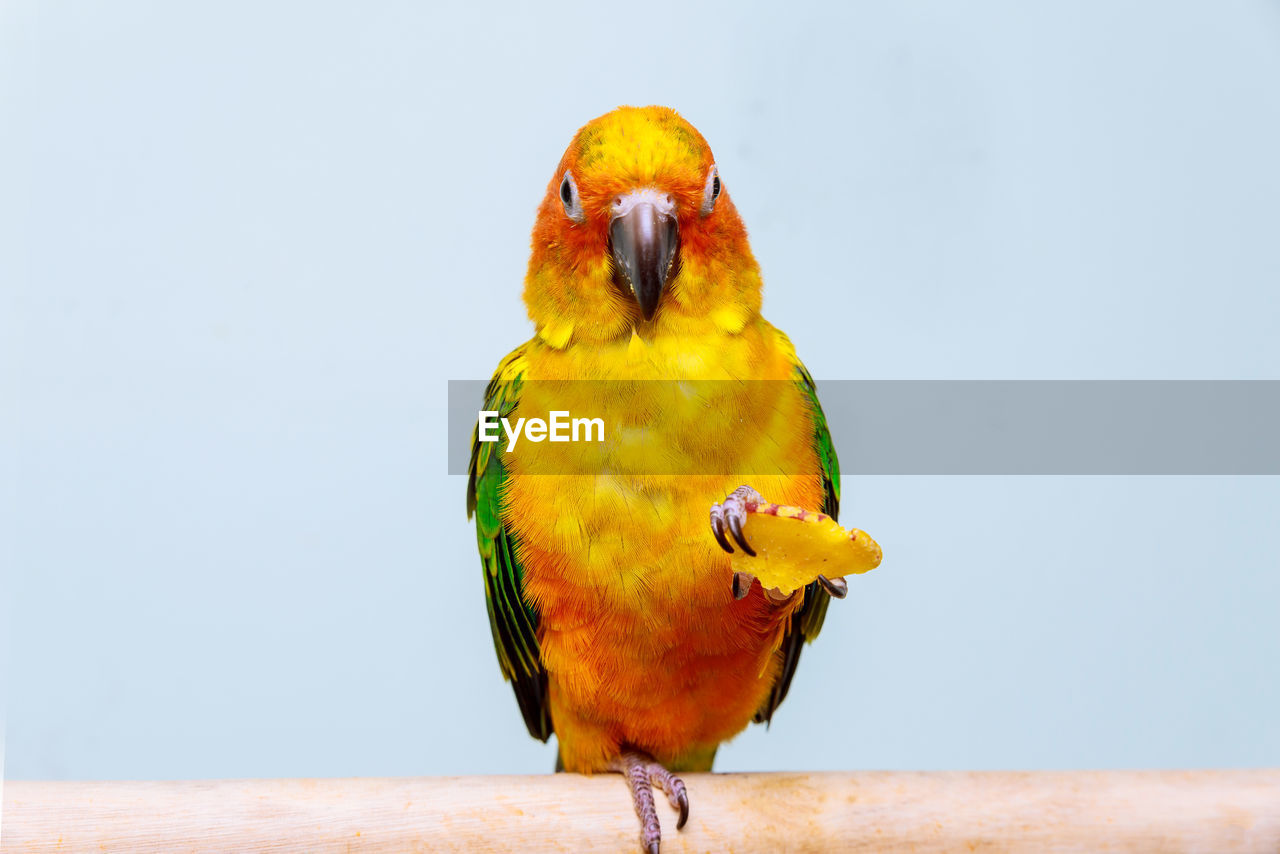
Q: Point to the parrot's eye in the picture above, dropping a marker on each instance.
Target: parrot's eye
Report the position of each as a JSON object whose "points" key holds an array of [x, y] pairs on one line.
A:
{"points": [[711, 192], [569, 198]]}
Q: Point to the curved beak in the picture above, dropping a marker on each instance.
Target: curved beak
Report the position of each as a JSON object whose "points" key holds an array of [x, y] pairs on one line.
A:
{"points": [[643, 237]]}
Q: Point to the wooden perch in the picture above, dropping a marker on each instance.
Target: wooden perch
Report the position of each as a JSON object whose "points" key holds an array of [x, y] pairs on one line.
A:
{"points": [[1210, 811]]}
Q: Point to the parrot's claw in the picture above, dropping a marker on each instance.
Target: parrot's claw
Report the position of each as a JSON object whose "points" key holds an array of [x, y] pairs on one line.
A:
{"points": [[674, 789], [642, 774], [717, 528], [837, 587], [732, 514], [741, 585], [735, 528]]}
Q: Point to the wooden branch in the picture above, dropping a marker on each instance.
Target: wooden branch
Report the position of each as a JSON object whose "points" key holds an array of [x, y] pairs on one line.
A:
{"points": [[1211, 811]]}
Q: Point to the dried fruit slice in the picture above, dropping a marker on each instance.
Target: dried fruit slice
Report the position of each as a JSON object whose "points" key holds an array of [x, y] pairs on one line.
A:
{"points": [[794, 546]]}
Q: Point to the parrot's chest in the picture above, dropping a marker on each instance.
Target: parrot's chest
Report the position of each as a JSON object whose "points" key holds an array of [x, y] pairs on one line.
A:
{"points": [[629, 514], [630, 585], [618, 519]]}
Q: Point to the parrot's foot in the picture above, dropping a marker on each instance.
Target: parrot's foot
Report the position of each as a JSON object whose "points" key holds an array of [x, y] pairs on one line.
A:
{"points": [[642, 774], [731, 516]]}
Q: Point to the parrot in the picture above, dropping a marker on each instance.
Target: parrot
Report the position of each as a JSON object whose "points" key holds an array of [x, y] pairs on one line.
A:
{"points": [[614, 609]]}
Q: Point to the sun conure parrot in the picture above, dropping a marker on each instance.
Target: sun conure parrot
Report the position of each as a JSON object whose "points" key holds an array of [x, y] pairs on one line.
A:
{"points": [[614, 608]]}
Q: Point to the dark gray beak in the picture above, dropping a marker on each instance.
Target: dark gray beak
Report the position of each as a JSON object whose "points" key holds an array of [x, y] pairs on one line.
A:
{"points": [[643, 237]]}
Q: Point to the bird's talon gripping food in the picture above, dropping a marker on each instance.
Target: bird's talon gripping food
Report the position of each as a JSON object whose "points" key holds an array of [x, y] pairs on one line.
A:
{"points": [[794, 547]]}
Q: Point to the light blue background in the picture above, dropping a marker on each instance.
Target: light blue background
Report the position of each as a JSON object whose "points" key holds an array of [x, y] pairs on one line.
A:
{"points": [[243, 247]]}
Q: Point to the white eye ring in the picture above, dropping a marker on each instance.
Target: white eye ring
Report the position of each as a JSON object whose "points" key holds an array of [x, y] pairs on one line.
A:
{"points": [[570, 199], [711, 191]]}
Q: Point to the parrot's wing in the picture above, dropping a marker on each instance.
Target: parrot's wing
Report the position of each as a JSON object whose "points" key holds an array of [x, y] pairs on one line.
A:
{"points": [[806, 622], [511, 616]]}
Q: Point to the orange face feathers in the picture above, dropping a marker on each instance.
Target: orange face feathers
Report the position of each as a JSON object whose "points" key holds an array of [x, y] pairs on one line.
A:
{"points": [[636, 232]]}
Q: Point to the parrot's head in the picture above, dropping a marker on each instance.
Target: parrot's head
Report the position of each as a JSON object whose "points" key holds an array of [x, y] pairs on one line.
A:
{"points": [[637, 233]]}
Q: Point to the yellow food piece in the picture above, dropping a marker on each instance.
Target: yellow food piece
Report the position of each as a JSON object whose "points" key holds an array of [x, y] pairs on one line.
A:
{"points": [[794, 546]]}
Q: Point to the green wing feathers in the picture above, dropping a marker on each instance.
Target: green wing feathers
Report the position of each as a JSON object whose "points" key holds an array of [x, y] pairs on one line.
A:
{"points": [[512, 619], [807, 620]]}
